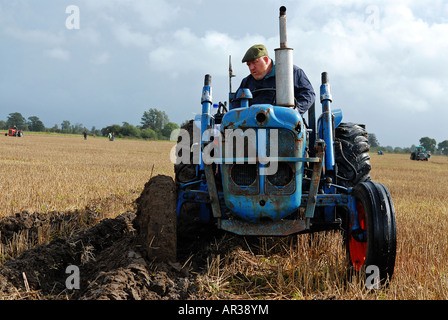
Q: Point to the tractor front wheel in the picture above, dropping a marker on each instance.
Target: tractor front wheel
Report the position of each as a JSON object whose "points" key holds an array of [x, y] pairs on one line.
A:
{"points": [[374, 243]]}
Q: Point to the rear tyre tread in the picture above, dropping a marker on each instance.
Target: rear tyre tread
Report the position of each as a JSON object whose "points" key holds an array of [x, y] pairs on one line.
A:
{"points": [[352, 154]]}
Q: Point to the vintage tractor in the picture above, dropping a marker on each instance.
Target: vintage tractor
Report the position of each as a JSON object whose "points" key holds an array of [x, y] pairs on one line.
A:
{"points": [[420, 153], [261, 170], [14, 133]]}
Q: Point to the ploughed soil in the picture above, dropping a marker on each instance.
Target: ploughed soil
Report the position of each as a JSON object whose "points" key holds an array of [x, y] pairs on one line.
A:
{"points": [[113, 263]]}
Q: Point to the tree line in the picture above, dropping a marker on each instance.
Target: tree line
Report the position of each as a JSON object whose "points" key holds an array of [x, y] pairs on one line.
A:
{"points": [[430, 144], [154, 125]]}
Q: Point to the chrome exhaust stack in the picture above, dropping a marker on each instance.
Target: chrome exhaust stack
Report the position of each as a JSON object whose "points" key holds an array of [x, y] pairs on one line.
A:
{"points": [[284, 67]]}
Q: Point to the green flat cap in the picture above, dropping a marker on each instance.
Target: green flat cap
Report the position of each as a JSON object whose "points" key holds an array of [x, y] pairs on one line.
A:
{"points": [[254, 52]]}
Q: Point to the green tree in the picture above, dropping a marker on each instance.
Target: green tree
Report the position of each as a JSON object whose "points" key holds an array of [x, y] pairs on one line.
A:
{"points": [[169, 127], [55, 128], [34, 124], [3, 125], [373, 142], [115, 128], [65, 126], [77, 128], [148, 134], [16, 119], [129, 130], [95, 131], [428, 143], [154, 119], [398, 150], [443, 147]]}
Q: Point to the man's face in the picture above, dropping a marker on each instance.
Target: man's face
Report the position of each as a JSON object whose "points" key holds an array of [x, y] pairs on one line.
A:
{"points": [[259, 67]]}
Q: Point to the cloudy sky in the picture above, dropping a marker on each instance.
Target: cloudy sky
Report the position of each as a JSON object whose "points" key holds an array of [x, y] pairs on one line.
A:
{"points": [[387, 60]]}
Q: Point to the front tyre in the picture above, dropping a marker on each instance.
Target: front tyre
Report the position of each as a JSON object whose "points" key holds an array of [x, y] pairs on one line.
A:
{"points": [[374, 243]]}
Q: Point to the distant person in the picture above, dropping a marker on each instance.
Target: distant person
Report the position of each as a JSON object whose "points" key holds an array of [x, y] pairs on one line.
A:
{"points": [[85, 135]]}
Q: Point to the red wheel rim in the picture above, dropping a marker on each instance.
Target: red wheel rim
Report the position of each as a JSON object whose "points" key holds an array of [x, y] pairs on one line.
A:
{"points": [[358, 250]]}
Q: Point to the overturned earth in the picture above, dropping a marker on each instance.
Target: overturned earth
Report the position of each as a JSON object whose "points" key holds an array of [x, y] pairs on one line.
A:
{"points": [[108, 257]]}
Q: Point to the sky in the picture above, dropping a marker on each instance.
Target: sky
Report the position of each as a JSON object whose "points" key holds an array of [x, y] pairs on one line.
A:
{"points": [[103, 62]]}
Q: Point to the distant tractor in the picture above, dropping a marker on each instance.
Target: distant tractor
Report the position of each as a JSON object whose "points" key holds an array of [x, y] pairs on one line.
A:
{"points": [[14, 133], [420, 153]]}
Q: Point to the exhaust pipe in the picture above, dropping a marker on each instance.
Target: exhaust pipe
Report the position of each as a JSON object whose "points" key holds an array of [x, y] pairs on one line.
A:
{"points": [[284, 67]]}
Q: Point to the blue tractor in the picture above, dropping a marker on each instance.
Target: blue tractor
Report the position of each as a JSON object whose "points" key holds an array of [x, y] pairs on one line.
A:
{"points": [[263, 170]]}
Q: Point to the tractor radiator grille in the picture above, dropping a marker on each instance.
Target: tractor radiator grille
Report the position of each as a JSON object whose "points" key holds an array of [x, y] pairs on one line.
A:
{"points": [[244, 177], [244, 174], [283, 176]]}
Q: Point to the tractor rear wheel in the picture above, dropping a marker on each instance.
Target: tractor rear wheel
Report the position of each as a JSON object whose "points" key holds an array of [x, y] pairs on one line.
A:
{"points": [[157, 218], [185, 172], [352, 154], [376, 219]]}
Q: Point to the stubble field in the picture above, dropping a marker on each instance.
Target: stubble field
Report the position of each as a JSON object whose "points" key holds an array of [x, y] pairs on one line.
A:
{"points": [[96, 180]]}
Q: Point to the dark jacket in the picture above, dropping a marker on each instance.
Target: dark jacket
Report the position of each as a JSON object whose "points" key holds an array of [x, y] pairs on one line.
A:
{"points": [[263, 90]]}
